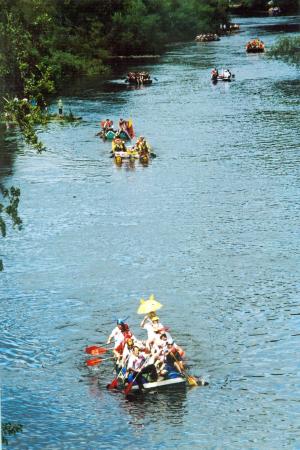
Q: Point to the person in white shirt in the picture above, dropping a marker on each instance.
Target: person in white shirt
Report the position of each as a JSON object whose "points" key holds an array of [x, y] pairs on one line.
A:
{"points": [[120, 333], [138, 364], [151, 325]]}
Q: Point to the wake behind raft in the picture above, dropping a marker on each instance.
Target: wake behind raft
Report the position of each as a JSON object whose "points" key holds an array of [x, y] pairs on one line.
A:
{"points": [[144, 365]]}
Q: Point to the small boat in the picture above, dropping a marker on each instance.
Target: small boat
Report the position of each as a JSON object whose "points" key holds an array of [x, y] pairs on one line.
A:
{"points": [[111, 134], [121, 153], [225, 75], [138, 78], [255, 46]]}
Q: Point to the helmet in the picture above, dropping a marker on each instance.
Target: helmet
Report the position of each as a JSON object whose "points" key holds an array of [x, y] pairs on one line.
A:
{"points": [[170, 342], [129, 342], [154, 318], [120, 322]]}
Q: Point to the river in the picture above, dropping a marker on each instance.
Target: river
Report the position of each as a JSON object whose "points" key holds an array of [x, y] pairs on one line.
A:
{"points": [[211, 227]]}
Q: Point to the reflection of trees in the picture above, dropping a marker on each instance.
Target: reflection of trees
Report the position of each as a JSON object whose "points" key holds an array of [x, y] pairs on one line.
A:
{"points": [[9, 197], [8, 147]]}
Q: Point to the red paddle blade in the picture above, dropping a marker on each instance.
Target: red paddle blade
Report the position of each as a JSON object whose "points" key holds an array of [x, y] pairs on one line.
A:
{"points": [[95, 350], [128, 388], [93, 362], [113, 384]]}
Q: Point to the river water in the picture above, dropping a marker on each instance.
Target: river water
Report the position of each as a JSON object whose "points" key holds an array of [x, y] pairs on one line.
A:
{"points": [[211, 227]]}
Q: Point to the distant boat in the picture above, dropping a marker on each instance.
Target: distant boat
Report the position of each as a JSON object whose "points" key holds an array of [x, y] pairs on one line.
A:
{"points": [[255, 46]]}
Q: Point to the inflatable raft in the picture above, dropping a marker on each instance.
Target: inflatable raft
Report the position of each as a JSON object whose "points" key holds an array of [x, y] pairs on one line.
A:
{"points": [[255, 46]]}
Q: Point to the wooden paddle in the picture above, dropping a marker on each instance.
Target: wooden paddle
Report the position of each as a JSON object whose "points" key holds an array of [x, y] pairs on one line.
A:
{"points": [[189, 378]]}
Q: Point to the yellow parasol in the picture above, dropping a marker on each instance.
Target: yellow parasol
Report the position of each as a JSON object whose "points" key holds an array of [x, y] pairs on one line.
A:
{"points": [[147, 306]]}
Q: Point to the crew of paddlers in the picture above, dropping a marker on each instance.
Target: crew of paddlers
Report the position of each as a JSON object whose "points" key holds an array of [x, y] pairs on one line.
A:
{"points": [[222, 75], [255, 46], [138, 78], [207, 37], [108, 131], [154, 357]]}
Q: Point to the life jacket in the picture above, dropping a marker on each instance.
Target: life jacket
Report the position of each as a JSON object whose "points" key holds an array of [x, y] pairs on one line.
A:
{"points": [[119, 147]]}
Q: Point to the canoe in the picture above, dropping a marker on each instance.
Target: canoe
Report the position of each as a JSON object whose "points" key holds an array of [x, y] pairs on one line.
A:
{"points": [[110, 135]]}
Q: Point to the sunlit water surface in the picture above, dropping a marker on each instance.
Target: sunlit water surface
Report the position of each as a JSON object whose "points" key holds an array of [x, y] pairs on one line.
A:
{"points": [[211, 227]]}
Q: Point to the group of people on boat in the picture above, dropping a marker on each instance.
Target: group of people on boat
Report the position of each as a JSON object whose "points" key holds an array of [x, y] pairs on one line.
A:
{"points": [[138, 78], [255, 45], [224, 74], [141, 147], [125, 128], [149, 360]]}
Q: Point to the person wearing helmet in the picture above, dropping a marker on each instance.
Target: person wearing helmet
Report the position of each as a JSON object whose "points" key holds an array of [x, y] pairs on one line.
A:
{"points": [[119, 333]]}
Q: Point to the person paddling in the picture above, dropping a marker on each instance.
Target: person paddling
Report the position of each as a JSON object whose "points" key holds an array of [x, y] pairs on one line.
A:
{"points": [[120, 333], [173, 357], [137, 366]]}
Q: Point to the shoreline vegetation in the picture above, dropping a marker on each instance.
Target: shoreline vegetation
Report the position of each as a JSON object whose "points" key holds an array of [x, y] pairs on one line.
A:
{"points": [[287, 49]]}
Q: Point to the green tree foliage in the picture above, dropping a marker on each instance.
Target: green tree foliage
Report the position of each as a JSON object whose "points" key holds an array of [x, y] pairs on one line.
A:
{"points": [[43, 41], [287, 49]]}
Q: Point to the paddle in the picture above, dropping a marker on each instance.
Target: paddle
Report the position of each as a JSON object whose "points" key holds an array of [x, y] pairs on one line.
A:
{"points": [[94, 362], [189, 378], [96, 350]]}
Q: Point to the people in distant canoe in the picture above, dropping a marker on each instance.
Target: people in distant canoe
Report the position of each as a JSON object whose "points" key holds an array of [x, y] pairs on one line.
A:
{"points": [[226, 73], [214, 73], [138, 77], [107, 125], [127, 127], [119, 145], [142, 146]]}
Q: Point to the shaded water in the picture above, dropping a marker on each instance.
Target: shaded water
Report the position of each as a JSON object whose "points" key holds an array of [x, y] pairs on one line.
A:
{"points": [[211, 227]]}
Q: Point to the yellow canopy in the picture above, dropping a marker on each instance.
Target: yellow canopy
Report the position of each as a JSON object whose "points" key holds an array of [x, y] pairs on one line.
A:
{"points": [[147, 306]]}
